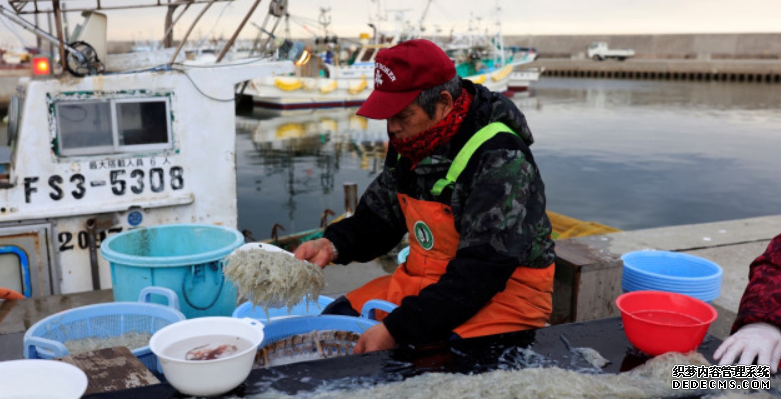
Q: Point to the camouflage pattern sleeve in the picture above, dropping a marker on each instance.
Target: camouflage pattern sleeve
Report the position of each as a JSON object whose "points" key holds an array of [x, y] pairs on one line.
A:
{"points": [[375, 228], [381, 198], [504, 208], [761, 302]]}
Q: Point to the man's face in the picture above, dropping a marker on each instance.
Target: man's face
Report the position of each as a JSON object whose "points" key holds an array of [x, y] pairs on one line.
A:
{"points": [[411, 121]]}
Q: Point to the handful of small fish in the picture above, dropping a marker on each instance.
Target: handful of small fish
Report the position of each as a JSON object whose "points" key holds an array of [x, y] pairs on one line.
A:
{"points": [[313, 345], [273, 279]]}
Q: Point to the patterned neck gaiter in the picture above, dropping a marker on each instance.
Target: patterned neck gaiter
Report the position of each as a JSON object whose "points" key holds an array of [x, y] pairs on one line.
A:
{"points": [[421, 145]]}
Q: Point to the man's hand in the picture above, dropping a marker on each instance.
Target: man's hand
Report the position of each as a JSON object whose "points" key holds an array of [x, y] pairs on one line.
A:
{"points": [[376, 338], [319, 252], [755, 340]]}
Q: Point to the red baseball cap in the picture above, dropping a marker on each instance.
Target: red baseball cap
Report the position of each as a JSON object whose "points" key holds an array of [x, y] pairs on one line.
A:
{"points": [[401, 72]]}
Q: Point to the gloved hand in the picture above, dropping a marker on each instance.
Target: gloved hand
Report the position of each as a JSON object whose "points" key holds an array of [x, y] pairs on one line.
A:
{"points": [[755, 340]]}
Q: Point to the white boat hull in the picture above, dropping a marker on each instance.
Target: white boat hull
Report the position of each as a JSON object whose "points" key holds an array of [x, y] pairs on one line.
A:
{"points": [[286, 94], [521, 79]]}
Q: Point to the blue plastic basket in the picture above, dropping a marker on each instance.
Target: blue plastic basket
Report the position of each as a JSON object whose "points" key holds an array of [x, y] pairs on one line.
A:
{"points": [[671, 272], [283, 328], [302, 308], [45, 339]]}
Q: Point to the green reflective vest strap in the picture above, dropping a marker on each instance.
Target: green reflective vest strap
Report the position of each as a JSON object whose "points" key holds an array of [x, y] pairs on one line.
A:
{"points": [[463, 156]]}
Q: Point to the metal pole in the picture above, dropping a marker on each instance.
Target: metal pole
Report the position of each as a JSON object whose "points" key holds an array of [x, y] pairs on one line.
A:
{"points": [[37, 38], [58, 26], [170, 26], [270, 36], [350, 198], [51, 43], [238, 29], [187, 35], [93, 254]]}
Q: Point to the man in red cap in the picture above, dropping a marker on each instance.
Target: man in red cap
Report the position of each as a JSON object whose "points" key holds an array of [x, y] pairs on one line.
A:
{"points": [[460, 179]]}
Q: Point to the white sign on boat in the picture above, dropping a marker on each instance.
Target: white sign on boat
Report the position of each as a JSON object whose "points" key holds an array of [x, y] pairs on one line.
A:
{"points": [[91, 156]]}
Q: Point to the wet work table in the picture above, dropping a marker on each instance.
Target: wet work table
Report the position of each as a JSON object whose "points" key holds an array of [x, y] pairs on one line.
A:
{"points": [[474, 355], [116, 373]]}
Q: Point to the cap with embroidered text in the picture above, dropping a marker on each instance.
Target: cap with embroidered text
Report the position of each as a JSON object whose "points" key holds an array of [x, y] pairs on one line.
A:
{"points": [[401, 72]]}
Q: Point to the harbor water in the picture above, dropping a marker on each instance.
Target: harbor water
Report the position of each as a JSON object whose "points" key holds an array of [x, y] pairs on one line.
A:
{"points": [[632, 154]]}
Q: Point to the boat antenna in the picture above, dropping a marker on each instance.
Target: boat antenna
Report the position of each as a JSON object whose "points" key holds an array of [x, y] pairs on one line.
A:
{"points": [[324, 19], [423, 17]]}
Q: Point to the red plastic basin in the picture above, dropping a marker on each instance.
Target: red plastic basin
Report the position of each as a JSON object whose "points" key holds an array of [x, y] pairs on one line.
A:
{"points": [[657, 322]]}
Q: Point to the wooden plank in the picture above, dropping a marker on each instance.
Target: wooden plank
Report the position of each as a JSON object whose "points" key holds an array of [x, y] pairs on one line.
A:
{"points": [[587, 282], [564, 282], [112, 369], [597, 293]]}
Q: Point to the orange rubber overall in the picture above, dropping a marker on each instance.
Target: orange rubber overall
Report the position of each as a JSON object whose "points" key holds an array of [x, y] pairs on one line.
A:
{"points": [[525, 303]]}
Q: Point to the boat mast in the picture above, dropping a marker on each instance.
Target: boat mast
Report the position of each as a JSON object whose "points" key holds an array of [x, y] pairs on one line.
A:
{"points": [[422, 28]]}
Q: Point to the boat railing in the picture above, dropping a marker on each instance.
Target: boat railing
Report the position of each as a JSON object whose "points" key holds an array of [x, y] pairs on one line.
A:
{"points": [[82, 54]]}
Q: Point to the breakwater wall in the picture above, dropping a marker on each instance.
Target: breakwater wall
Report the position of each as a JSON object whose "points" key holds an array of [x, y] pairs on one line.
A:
{"points": [[667, 46], [746, 71]]}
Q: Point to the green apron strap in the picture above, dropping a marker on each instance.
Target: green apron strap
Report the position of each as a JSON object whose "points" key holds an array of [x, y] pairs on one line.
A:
{"points": [[463, 156]]}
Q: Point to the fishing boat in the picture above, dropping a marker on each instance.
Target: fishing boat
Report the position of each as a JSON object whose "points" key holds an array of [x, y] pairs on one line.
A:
{"points": [[291, 93], [520, 79], [333, 75], [345, 86], [92, 152]]}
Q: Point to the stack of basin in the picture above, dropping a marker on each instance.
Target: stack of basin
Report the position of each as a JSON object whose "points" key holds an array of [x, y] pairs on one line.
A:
{"points": [[671, 272]]}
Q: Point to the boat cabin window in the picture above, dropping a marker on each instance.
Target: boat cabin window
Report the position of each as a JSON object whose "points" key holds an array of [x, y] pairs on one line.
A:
{"points": [[84, 127], [108, 126], [142, 122]]}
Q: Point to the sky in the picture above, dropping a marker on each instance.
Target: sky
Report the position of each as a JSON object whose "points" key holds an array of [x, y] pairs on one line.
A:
{"points": [[349, 18]]}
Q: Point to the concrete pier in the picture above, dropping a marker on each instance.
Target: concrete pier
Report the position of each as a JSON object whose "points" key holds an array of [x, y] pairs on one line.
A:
{"points": [[716, 46], [733, 245]]}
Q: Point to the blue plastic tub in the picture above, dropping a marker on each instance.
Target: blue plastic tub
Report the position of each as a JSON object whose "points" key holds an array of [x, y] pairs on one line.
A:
{"points": [[302, 308], [278, 329], [187, 258], [46, 338], [671, 272]]}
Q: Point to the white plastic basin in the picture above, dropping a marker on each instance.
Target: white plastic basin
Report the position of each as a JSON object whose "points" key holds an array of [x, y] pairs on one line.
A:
{"points": [[40, 378], [207, 377]]}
